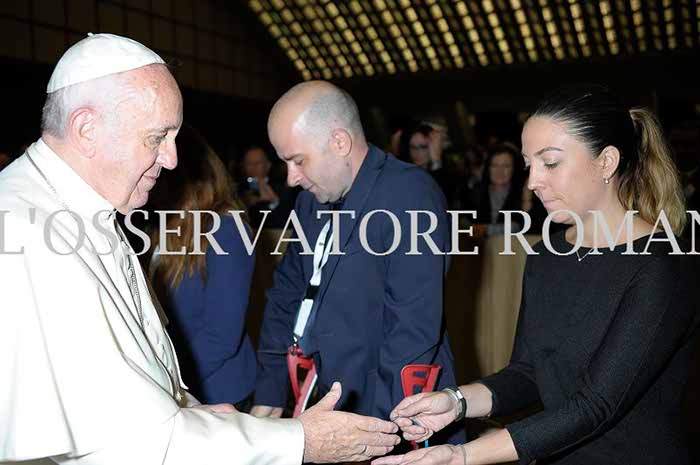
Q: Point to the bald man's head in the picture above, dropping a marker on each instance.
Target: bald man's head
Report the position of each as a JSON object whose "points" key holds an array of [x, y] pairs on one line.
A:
{"points": [[315, 128], [314, 109]]}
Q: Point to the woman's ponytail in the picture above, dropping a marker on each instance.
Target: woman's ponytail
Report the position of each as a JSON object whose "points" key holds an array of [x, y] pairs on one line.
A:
{"points": [[652, 184]]}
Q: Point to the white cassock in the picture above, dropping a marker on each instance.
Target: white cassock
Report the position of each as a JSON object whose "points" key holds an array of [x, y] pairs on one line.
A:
{"points": [[81, 381]]}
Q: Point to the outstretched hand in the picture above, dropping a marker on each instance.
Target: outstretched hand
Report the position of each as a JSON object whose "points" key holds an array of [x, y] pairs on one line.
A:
{"points": [[331, 436], [431, 410]]}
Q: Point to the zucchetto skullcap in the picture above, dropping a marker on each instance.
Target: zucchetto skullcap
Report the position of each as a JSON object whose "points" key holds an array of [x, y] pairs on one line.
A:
{"points": [[99, 55]]}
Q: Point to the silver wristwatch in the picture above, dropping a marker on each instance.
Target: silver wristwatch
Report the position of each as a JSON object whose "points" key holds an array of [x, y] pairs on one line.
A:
{"points": [[457, 394]]}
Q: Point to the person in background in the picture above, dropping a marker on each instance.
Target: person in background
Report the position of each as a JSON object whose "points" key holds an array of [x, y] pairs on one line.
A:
{"points": [[259, 192], [475, 156], [501, 189], [604, 340], [205, 296], [468, 186], [422, 145]]}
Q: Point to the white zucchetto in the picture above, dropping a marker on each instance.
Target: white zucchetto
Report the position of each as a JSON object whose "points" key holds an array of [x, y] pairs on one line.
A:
{"points": [[99, 55]]}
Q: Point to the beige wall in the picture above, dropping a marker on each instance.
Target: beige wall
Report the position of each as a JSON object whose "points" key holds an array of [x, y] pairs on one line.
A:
{"points": [[213, 47]]}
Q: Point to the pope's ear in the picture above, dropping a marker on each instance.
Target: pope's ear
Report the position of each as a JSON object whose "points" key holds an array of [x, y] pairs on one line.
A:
{"points": [[81, 131]]}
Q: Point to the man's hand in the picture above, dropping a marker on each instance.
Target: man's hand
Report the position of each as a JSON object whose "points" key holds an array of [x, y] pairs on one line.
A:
{"points": [[265, 411], [344, 437], [431, 410], [217, 408]]}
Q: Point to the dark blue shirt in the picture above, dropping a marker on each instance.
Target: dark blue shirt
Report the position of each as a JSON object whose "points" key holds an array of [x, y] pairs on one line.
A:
{"points": [[207, 322]]}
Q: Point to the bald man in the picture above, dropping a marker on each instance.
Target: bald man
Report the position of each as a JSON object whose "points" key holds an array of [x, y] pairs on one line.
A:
{"points": [[90, 376], [362, 316]]}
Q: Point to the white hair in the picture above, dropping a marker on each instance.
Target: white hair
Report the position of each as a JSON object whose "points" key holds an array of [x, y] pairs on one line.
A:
{"points": [[101, 94], [57, 108]]}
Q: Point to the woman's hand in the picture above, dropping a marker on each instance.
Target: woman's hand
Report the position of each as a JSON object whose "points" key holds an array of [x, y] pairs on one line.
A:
{"points": [[439, 455], [431, 410]]}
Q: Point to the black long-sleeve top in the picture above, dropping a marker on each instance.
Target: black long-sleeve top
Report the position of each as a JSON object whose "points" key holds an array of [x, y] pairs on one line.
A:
{"points": [[605, 344]]}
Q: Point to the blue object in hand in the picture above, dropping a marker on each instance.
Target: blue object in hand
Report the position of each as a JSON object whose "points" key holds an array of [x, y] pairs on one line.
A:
{"points": [[425, 444]]}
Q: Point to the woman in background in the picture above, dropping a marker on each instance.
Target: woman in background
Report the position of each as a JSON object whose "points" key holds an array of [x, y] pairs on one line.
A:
{"points": [[502, 184], [604, 339], [421, 145], [205, 295]]}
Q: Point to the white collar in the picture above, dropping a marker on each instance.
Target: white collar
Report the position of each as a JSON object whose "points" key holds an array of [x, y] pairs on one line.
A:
{"points": [[79, 196]]}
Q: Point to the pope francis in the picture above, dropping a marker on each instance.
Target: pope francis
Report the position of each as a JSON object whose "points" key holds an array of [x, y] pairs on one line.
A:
{"points": [[89, 375]]}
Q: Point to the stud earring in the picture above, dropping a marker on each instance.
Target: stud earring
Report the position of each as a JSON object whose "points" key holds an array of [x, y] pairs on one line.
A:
{"points": [[607, 180]]}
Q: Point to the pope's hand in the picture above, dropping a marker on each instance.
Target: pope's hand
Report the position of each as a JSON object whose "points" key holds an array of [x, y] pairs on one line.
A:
{"points": [[431, 410], [344, 437], [439, 455]]}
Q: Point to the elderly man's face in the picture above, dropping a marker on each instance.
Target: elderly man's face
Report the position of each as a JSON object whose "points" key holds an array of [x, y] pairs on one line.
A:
{"points": [[311, 164], [142, 139]]}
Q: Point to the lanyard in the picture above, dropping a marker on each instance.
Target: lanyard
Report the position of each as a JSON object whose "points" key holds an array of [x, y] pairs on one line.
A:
{"points": [[321, 252]]}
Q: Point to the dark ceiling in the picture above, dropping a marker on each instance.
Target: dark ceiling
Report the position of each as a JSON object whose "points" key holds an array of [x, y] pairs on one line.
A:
{"points": [[362, 39]]}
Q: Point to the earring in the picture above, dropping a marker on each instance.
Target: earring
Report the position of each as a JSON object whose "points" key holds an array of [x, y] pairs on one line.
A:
{"points": [[607, 180]]}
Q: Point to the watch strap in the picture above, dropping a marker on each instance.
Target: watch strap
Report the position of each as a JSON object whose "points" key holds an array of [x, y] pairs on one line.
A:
{"points": [[457, 394]]}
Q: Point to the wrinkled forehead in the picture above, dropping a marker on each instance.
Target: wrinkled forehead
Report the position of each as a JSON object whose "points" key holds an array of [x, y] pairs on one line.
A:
{"points": [[160, 94]]}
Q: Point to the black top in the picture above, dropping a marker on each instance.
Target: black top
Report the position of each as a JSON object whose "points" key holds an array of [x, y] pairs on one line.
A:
{"points": [[604, 343]]}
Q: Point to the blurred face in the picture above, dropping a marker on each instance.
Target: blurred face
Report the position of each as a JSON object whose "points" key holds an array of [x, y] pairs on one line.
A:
{"points": [[419, 149], [313, 166], [256, 164], [141, 140], [563, 174], [501, 170]]}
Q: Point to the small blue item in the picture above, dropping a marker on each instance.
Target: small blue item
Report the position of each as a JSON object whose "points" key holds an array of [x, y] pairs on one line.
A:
{"points": [[425, 444]]}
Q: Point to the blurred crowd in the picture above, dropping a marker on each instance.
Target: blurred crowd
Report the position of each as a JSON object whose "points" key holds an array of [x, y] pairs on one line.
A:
{"points": [[492, 177], [485, 178]]}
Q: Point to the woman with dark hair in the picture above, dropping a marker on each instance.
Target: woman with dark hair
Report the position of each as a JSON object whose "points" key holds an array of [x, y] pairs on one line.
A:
{"points": [[502, 185], [604, 338], [205, 294]]}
